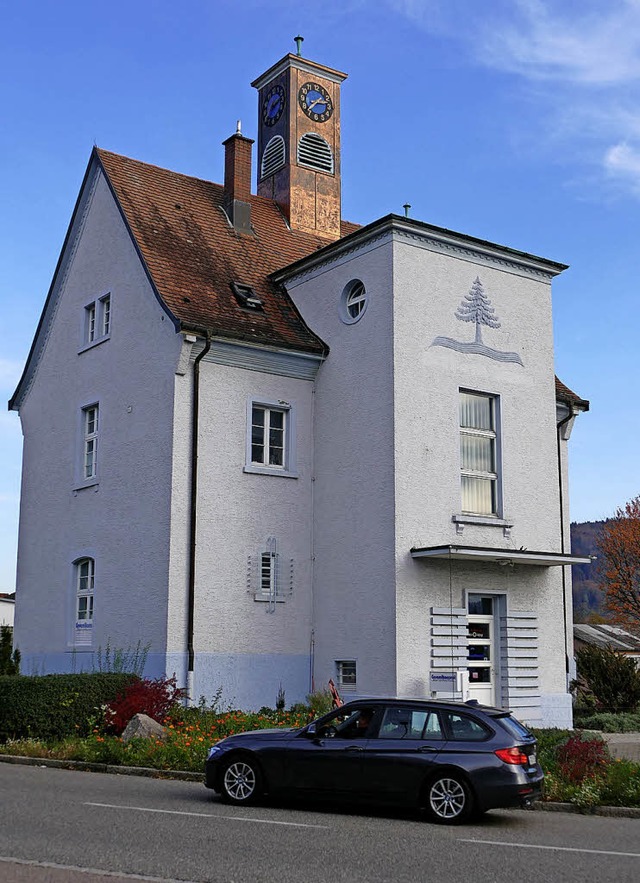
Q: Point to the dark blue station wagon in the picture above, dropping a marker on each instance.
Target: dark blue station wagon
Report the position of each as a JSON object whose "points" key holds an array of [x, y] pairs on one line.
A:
{"points": [[451, 759]]}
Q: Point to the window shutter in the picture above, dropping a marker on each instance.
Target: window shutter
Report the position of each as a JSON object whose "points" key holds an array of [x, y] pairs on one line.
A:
{"points": [[314, 152]]}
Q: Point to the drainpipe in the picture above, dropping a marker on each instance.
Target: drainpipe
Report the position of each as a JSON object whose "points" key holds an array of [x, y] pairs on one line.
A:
{"points": [[559, 426], [195, 420]]}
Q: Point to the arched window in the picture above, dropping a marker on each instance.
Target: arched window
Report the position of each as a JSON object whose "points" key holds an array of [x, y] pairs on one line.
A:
{"points": [[314, 152], [273, 156], [85, 569]]}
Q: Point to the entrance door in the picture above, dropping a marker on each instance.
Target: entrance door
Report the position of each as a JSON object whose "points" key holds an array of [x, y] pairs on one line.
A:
{"points": [[481, 648]]}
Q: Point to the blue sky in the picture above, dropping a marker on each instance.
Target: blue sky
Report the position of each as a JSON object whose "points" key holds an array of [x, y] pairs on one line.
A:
{"points": [[516, 121]]}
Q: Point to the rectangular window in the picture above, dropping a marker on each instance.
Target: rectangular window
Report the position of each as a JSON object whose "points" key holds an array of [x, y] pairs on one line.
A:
{"points": [[90, 322], [478, 453], [90, 447], [268, 436], [97, 320], [346, 671], [105, 304]]}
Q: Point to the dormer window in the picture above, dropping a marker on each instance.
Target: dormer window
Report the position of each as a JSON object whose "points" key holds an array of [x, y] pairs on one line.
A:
{"points": [[246, 297]]}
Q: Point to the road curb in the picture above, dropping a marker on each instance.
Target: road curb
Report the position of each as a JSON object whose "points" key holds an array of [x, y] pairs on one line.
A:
{"points": [[619, 812], [85, 766]]}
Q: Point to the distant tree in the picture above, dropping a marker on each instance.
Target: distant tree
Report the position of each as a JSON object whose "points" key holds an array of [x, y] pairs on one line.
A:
{"points": [[620, 549], [476, 307], [612, 679], [9, 658]]}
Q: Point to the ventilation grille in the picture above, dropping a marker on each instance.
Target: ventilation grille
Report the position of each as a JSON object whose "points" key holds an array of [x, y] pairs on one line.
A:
{"points": [[273, 157], [313, 151]]}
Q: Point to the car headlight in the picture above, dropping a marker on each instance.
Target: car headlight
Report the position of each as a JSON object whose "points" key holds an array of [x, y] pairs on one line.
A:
{"points": [[212, 751]]}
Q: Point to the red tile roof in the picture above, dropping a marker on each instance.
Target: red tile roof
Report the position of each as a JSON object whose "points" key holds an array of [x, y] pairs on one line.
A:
{"points": [[566, 395], [193, 254]]}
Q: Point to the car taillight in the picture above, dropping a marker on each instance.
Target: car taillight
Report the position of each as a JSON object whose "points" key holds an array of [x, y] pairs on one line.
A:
{"points": [[515, 756]]}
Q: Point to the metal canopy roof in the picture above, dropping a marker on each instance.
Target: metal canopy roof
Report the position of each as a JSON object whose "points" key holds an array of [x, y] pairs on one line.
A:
{"points": [[497, 556]]}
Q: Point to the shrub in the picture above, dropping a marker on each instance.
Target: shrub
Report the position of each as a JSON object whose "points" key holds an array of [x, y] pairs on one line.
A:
{"points": [[155, 698], [580, 758], [55, 706], [320, 703], [623, 722], [611, 677], [9, 658]]}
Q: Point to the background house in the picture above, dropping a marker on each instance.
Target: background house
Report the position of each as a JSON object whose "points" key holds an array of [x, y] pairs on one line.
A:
{"points": [[7, 608], [607, 636], [276, 448]]}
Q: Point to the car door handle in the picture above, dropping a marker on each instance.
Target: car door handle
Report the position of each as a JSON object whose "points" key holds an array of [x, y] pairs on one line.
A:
{"points": [[354, 748], [426, 749]]}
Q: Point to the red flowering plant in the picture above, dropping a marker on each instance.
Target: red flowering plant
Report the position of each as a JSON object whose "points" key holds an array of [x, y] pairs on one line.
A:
{"points": [[153, 697], [582, 758]]}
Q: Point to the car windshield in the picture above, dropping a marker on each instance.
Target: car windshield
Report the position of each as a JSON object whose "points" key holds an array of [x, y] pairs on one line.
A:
{"points": [[515, 728]]}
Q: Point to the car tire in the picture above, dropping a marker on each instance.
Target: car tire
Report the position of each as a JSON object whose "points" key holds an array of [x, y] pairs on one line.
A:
{"points": [[241, 781], [448, 799]]}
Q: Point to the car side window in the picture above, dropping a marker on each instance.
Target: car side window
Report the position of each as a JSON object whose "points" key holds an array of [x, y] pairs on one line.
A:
{"points": [[348, 724], [409, 723], [465, 729]]}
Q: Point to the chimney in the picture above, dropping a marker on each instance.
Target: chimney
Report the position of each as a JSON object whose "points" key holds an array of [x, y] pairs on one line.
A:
{"points": [[237, 180]]}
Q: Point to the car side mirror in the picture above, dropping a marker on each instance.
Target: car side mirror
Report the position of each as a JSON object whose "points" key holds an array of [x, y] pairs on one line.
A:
{"points": [[312, 731]]}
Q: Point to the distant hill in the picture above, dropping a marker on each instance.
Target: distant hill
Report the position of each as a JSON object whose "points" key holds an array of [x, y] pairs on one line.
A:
{"points": [[588, 598]]}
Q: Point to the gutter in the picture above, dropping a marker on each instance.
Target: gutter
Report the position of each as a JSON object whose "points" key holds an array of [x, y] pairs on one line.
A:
{"points": [[193, 511], [570, 416]]}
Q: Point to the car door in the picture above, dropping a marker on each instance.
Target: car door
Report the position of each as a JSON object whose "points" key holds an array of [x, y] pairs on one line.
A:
{"points": [[402, 751], [329, 760]]}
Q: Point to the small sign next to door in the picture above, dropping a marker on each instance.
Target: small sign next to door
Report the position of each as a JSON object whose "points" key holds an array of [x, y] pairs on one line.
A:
{"points": [[443, 682]]}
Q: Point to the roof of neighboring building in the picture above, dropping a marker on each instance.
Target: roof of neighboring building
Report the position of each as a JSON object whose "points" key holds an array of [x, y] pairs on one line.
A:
{"points": [[611, 636], [193, 253], [568, 397]]}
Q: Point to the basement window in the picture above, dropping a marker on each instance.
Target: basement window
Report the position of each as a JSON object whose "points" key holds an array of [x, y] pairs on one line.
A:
{"points": [[246, 297]]}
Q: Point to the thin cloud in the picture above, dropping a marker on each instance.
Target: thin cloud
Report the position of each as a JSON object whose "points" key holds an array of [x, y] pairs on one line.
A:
{"points": [[577, 63], [588, 43], [622, 161]]}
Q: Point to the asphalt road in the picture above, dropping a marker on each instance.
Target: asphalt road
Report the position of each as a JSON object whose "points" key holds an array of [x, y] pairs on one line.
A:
{"points": [[59, 826]]}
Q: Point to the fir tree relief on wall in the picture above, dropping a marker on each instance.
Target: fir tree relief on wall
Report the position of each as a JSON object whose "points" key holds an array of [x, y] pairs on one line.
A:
{"points": [[476, 307]]}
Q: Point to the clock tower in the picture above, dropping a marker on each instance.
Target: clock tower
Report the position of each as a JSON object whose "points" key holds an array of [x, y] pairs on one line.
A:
{"points": [[299, 142]]}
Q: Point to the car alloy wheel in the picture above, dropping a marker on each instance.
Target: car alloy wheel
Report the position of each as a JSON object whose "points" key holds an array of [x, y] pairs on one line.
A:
{"points": [[241, 781], [449, 799]]}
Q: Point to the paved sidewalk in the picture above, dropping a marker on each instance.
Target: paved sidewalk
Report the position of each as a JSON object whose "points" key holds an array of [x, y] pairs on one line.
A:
{"points": [[623, 745]]}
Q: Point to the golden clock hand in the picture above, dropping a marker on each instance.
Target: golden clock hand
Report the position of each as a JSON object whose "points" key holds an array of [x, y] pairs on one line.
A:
{"points": [[320, 100]]}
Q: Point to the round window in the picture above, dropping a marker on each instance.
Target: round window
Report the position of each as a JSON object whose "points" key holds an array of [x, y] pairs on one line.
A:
{"points": [[353, 302]]}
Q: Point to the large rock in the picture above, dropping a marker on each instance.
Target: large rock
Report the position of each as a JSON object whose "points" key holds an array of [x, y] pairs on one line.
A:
{"points": [[141, 726]]}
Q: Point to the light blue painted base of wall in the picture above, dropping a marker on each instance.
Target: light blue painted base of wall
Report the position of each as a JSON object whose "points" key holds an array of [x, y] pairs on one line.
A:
{"points": [[75, 662], [557, 710], [245, 681]]}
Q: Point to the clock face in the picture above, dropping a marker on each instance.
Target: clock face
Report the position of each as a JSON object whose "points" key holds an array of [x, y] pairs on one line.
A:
{"points": [[316, 102], [273, 105]]}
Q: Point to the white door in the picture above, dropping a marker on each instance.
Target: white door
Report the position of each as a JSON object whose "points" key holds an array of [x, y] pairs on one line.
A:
{"points": [[480, 655]]}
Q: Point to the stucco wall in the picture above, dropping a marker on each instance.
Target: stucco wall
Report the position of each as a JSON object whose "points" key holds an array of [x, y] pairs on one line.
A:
{"points": [[429, 286], [240, 646], [122, 520], [353, 494]]}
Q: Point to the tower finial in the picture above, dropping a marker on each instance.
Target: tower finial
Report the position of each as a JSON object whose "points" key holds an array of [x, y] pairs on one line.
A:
{"points": [[299, 41]]}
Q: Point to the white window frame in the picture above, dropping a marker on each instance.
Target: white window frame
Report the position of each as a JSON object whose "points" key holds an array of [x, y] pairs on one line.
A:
{"points": [[84, 595], [269, 588], [493, 434], [352, 681], [354, 301], [97, 321], [288, 467], [90, 432]]}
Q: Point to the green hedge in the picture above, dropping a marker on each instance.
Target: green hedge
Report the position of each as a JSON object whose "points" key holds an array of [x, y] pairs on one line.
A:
{"points": [[55, 706]]}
